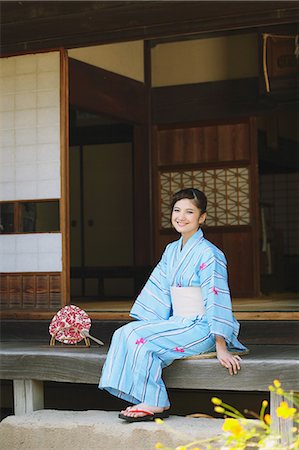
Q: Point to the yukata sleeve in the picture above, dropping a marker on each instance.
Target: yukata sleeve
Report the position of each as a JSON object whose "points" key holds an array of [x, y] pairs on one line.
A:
{"points": [[216, 294], [154, 301]]}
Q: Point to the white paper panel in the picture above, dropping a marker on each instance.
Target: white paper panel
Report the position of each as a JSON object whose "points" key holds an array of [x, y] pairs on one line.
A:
{"points": [[30, 126], [38, 252]]}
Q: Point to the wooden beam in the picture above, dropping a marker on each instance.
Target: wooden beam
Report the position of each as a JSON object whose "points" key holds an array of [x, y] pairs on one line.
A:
{"points": [[205, 101], [101, 134], [28, 26], [217, 100], [106, 93]]}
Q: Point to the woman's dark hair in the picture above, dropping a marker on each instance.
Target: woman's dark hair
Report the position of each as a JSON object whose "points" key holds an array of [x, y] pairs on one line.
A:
{"points": [[198, 196]]}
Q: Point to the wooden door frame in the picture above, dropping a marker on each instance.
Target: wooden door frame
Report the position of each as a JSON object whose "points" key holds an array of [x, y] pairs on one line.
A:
{"points": [[125, 100], [254, 204], [64, 174]]}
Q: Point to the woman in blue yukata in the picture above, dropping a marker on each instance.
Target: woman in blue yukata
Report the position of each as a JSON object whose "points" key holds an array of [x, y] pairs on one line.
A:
{"points": [[183, 310]]}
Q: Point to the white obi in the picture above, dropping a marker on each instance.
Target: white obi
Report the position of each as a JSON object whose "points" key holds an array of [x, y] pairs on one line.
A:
{"points": [[187, 301]]}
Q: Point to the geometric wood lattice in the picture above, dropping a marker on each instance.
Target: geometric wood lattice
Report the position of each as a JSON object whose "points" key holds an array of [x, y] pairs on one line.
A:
{"points": [[227, 191]]}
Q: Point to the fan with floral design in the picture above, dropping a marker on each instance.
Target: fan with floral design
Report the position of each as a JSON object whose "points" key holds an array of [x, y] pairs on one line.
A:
{"points": [[71, 325]]}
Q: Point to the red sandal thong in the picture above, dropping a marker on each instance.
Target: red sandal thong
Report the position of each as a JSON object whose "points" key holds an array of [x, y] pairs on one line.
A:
{"points": [[148, 415]]}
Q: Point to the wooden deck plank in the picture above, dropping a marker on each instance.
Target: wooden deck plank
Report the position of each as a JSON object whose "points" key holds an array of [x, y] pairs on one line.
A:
{"points": [[124, 315], [83, 365]]}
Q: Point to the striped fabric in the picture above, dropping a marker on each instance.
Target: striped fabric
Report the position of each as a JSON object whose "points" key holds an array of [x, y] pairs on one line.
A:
{"points": [[141, 349]]}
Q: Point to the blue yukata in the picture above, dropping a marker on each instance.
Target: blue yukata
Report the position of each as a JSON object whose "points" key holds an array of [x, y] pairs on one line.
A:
{"points": [[142, 348]]}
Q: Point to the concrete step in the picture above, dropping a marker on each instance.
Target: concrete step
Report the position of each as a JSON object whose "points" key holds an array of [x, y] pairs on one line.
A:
{"points": [[99, 430]]}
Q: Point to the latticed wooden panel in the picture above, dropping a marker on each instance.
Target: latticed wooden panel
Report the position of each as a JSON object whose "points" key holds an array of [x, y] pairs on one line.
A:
{"points": [[30, 291], [227, 191]]}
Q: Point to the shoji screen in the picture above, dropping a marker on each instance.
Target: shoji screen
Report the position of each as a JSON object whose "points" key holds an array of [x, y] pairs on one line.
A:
{"points": [[30, 180]]}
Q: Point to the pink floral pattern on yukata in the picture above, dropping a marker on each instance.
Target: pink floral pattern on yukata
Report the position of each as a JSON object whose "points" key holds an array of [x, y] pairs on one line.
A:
{"points": [[68, 324], [202, 266], [140, 341], [179, 349], [214, 290]]}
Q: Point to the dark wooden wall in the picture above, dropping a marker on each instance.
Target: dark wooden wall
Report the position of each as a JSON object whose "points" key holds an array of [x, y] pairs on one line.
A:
{"points": [[207, 145]]}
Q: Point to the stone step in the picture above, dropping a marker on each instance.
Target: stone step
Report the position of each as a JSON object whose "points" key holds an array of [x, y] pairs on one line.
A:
{"points": [[99, 430]]}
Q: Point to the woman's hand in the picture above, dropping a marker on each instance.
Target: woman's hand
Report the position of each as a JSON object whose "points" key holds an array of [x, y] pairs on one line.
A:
{"points": [[226, 359]]}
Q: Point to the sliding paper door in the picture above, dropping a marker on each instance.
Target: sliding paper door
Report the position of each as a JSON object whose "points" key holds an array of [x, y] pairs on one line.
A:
{"points": [[33, 181]]}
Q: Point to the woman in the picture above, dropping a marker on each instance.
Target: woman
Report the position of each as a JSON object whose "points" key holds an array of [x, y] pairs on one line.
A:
{"points": [[183, 310]]}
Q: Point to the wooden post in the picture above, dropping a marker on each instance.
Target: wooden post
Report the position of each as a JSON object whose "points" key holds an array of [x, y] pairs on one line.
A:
{"points": [[281, 426], [28, 396]]}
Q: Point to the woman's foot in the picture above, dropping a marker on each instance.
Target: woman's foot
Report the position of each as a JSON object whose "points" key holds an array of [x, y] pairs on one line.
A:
{"points": [[131, 411]]}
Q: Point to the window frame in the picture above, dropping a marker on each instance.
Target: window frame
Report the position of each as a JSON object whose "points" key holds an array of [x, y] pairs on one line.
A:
{"points": [[17, 212]]}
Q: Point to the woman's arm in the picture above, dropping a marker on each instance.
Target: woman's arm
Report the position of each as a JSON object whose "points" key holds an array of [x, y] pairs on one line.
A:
{"points": [[226, 359]]}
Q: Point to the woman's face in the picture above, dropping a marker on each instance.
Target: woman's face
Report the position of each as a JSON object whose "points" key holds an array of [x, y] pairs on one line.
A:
{"points": [[186, 217]]}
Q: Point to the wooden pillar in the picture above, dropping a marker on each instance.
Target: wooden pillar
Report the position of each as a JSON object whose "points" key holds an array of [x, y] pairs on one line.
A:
{"points": [[281, 426], [28, 396]]}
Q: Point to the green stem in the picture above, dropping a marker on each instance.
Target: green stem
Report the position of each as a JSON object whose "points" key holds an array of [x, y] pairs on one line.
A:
{"points": [[202, 441], [231, 414], [262, 411], [231, 408]]}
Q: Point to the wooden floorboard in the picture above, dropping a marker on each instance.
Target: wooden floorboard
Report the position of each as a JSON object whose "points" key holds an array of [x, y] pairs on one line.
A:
{"points": [[279, 307], [244, 309]]}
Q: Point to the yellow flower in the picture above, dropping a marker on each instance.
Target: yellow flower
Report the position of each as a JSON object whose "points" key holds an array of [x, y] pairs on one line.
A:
{"points": [[181, 447], [159, 421], [276, 383], [159, 445], [265, 403], [233, 426], [271, 388], [219, 409], [267, 419], [216, 401], [285, 411], [279, 391]]}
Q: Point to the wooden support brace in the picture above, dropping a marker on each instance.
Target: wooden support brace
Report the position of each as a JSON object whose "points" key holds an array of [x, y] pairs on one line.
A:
{"points": [[28, 396], [283, 427]]}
